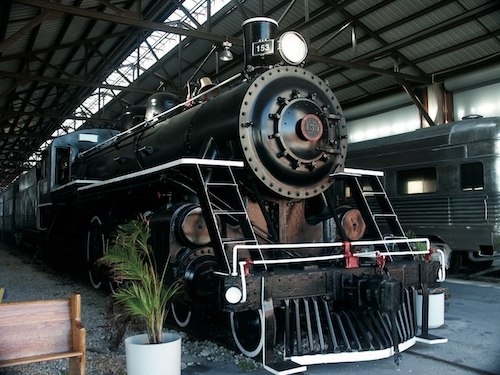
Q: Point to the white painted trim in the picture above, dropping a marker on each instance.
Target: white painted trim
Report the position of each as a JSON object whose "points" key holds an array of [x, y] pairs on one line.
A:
{"points": [[295, 370], [432, 341], [162, 167], [368, 355], [358, 172], [75, 182]]}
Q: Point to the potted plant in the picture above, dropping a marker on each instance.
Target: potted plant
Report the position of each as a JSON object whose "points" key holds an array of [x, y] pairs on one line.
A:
{"points": [[144, 294]]}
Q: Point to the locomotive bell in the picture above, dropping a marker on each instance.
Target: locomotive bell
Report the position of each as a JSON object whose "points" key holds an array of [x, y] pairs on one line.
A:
{"points": [[205, 85]]}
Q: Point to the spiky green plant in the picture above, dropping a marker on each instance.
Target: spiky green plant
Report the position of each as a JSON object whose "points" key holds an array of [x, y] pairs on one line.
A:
{"points": [[143, 291]]}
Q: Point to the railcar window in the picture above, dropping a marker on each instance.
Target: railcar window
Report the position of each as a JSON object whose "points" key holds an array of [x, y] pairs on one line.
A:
{"points": [[417, 181], [63, 160], [44, 165], [471, 176]]}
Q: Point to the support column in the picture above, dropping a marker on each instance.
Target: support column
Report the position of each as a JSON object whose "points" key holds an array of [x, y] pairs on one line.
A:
{"points": [[435, 104]]}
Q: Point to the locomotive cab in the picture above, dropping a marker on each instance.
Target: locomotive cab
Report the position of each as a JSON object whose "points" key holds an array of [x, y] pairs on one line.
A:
{"points": [[62, 155]]}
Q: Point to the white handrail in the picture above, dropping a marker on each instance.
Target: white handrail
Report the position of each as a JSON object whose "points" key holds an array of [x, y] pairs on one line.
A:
{"points": [[371, 254], [442, 260], [239, 247]]}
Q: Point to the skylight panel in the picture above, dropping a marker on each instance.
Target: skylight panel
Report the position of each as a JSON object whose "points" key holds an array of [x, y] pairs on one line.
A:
{"points": [[149, 52], [156, 45]]}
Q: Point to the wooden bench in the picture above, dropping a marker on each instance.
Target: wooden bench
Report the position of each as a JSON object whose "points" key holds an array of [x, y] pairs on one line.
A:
{"points": [[42, 331]]}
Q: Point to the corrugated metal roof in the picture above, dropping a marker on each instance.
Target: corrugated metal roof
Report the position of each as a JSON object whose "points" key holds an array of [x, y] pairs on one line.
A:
{"points": [[53, 55]]}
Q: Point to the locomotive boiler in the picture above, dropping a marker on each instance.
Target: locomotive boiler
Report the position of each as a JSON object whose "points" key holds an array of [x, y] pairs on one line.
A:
{"points": [[249, 202]]}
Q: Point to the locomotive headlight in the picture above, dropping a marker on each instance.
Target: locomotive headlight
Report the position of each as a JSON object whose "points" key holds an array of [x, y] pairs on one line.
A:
{"points": [[233, 295], [292, 47]]}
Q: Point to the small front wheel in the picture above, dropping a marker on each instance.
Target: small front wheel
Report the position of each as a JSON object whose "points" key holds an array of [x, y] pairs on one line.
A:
{"points": [[248, 332]]}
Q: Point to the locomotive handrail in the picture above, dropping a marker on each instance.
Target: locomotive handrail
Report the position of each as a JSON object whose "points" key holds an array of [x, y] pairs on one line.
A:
{"points": [[161, 167], [242, 265], [152, 121], [236, 248], [442, 260]]}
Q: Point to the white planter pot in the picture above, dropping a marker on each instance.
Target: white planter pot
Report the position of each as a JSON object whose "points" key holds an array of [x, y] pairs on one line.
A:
{"points": [[436, 310], [144, 358]]}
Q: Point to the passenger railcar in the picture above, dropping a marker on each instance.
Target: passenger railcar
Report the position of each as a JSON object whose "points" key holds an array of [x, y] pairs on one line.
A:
{"points": [[444, 182], [7, 210], [244, 187]]}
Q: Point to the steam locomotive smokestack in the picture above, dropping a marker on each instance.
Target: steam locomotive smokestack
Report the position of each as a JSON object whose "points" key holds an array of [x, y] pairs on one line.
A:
{"points": [[259, 42]]}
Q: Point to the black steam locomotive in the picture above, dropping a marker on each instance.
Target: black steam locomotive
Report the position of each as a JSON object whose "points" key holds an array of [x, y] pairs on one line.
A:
{"points": [[249, 200]]}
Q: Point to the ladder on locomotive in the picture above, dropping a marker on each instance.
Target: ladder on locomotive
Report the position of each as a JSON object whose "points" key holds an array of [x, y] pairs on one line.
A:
{"points": [[223, 199], [379, 208]]}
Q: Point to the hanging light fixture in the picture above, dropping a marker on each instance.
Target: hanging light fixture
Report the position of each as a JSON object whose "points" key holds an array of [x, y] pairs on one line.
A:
{"points": [[226, 54]]}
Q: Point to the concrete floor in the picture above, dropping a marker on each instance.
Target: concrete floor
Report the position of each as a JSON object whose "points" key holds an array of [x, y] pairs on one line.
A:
{"points": [[472, 326]]}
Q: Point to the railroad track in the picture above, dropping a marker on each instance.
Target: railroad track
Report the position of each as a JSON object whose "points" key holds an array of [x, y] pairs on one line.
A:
{"points": [[469, 369], [490, 275]]}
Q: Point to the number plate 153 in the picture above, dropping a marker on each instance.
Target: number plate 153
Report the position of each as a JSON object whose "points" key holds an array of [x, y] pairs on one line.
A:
{"points": [[265, 47]]}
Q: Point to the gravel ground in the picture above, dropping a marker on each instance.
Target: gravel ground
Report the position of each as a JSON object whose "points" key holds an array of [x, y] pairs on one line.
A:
{"points": [[26, 278]]}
